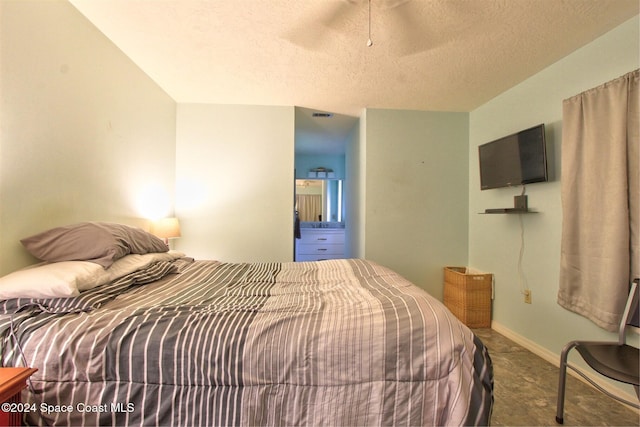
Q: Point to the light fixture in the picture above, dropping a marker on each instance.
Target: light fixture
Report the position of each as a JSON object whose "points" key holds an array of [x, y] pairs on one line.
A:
{"points": [[321, 173], [166, 228]]}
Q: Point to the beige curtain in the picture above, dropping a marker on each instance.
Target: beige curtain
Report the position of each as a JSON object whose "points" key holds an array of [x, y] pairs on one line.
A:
{"points": [[600, 192], [309, 206]]}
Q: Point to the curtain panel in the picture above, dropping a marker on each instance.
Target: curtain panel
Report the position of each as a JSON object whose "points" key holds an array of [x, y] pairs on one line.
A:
{"points": [[600, 208], [309, 207]]}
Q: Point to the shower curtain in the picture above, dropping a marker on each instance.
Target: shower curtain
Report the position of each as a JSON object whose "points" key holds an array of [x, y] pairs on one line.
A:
{"points": [[600, 251], [309, 207]]}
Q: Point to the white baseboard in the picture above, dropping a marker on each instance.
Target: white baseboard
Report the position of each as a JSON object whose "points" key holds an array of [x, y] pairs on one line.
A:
{"points": [[554, 359]]}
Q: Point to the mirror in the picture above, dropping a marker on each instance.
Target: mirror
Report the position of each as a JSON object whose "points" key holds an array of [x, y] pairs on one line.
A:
{"points": [[319, 200]]}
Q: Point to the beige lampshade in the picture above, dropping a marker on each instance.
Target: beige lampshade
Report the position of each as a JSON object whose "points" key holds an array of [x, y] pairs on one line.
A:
{"points": [[166, 228]]}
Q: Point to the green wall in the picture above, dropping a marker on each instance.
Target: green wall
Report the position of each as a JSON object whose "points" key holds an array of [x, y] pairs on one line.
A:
{"points": [[495, 240], [235, 182], [416, 201], [84, 133]]}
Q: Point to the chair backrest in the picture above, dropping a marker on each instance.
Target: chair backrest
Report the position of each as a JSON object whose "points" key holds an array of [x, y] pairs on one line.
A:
{"points": [[630, 316]]}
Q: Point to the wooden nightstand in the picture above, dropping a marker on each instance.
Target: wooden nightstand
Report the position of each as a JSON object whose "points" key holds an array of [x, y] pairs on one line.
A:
{"points": [[12, 382]]}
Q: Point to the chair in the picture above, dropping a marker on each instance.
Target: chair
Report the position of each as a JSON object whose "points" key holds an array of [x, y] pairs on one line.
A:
{"points": [[616, 360]]}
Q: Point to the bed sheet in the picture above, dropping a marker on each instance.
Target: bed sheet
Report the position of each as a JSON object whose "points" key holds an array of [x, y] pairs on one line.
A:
{"points": [[337, 342]]}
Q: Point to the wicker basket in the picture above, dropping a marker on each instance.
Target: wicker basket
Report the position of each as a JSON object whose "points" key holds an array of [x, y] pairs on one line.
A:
{"points": [[468, 296]]}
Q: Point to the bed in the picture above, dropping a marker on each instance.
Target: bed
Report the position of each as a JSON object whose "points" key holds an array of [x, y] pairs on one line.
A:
{"points": [[163, 339]]}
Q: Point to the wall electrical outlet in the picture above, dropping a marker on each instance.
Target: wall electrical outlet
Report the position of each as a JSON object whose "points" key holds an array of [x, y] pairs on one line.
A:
{"points": [[527, 296]]}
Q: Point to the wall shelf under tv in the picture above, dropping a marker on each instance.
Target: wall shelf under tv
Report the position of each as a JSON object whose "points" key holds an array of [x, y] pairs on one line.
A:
{"points": [[520, 206], [507, 211]]}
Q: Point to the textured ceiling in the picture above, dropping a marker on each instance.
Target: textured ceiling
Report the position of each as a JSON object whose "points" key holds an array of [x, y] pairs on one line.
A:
{"points": [[438, 55], [445, 55]]}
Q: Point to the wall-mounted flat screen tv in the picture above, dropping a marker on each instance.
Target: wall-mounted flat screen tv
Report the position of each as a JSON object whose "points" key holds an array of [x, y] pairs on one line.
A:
{"points": [[514, 160]]}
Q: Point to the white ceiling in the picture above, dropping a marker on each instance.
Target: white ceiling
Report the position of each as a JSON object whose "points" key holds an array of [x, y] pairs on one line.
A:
{"points": [[438, 55]]}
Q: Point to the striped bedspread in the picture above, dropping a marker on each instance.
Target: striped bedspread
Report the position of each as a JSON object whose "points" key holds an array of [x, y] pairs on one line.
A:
{"points": [[338, 342]]}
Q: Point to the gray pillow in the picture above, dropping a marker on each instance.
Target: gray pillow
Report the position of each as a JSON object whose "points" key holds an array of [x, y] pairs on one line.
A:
{"points": [[99, 242]]}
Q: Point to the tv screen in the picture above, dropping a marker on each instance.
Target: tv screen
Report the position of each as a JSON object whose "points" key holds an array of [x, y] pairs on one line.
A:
{"points": [[513, 160]]}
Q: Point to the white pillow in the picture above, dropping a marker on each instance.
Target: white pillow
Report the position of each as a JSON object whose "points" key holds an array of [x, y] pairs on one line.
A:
{"points": [[68, 278], [53, 280], [126, 265]]}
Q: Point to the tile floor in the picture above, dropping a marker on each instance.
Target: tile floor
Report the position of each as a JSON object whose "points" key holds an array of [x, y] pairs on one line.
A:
{"points": [[525, 391]]}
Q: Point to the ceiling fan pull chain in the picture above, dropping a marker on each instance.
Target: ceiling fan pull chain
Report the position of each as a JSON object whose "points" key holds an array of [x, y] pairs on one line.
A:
{"points": [[369, 42]]}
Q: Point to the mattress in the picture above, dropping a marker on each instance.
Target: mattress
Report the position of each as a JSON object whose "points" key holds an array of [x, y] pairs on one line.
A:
{"points": [[184, 342]]}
